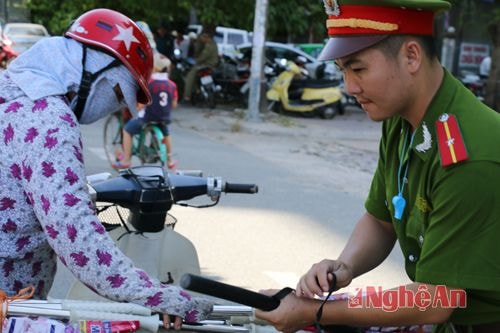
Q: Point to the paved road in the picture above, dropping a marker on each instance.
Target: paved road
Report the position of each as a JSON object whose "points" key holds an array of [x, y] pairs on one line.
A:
{"points": [[312, 176]]}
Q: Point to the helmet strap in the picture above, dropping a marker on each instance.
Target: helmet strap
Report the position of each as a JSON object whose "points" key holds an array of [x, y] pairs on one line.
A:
{"points": [[86, 82]]}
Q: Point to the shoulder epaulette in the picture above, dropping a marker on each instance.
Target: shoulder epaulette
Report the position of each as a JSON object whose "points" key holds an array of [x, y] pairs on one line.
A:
{"points": [[450, 142]]}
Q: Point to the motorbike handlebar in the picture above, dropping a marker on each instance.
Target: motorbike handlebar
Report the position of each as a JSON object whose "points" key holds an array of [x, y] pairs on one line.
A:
{"points": [[228, 292], [148, 192], [241, 188], [151, 185]]}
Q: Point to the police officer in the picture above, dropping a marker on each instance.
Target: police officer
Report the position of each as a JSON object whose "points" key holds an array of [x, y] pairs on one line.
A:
{"points": [[436, 187]]}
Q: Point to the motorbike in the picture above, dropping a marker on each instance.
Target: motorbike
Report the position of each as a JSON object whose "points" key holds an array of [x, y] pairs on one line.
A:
{"points": [[230, 76], [293, 91], [137, 201], [271, 71], [179, 69], [205, 88], [133, 207], [474, 83], [7, 54]]}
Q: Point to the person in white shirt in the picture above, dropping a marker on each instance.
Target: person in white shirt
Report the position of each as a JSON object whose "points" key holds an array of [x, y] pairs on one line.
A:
{"points": [[485, 67]]}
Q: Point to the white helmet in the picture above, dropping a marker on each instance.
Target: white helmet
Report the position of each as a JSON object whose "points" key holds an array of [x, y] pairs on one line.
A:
{"points": [[161, 63]]}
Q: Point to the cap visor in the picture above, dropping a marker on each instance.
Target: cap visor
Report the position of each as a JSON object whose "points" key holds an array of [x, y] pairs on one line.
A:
{"points": [[339, 47]]}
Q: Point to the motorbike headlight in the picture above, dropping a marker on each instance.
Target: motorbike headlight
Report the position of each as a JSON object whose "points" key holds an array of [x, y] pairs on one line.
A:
{"points": [[268, 70]]}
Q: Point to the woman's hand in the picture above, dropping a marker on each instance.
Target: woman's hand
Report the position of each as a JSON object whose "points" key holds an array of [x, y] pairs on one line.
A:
{"points": [[167, 321], [319, 278]]}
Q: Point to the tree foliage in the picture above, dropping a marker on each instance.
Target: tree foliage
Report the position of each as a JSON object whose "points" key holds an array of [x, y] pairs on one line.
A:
{"points": [[493, 84], [57, 14], [293, 18], [287, 20]]}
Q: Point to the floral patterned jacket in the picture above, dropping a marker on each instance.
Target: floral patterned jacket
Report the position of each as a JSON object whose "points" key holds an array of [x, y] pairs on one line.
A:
{"points": [[46, 212]]}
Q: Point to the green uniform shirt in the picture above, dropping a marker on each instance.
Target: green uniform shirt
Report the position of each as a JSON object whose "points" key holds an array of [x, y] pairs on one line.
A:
{"points": [[450, 229]]}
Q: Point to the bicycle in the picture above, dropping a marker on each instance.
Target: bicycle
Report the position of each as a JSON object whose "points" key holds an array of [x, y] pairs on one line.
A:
{"points": [[149, 146]]}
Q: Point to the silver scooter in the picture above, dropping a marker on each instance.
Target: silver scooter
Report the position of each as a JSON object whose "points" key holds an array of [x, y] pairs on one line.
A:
{"points": [[133, 207]]}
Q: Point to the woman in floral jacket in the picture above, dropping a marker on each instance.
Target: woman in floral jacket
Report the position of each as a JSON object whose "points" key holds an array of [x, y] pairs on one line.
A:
{"points": [[45, 209]]}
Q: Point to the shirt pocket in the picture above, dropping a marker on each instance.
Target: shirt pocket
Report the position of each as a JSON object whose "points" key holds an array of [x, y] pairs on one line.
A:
{"points": [[416, 225]]}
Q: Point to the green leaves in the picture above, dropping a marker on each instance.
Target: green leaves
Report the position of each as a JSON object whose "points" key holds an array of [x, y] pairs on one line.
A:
{"points": [[286, 18]]}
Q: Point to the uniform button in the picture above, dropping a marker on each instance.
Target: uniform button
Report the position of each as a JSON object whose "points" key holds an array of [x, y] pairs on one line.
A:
{"points": [[412, 258], [421, 239]]}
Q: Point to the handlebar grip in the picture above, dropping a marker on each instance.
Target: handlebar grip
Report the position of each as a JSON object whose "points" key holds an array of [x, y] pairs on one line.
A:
{"points": [[241, 188], [229, 292]]}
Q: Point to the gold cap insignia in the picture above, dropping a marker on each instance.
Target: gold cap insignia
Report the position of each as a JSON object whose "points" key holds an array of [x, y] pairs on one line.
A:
{"points": [[332, 7]]}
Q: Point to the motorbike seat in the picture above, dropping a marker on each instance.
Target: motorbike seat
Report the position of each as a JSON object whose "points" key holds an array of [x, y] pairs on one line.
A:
{"points": [[205, 67], [309, 83], [299, 102], [154, 123]]}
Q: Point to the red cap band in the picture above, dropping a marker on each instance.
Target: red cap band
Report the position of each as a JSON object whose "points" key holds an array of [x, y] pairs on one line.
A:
{"points": [[359, 20]]}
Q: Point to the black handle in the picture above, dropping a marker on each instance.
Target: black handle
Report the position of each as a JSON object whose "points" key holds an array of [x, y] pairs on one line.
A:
{"points": [[241, 188], [229, 292]]}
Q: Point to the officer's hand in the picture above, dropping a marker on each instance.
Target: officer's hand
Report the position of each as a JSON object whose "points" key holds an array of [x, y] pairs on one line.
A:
{"points": [[291, 315], [318, 279]]}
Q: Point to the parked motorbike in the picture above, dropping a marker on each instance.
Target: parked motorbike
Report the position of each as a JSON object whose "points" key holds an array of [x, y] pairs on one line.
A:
{"points": [[7, 54], [475, 84], [271, 72], [230, 76], [179, 69], [293, 91], [205, 88]]}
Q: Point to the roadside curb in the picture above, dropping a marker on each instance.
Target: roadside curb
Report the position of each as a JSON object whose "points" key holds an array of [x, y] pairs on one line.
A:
{"points": [[353, 130]]}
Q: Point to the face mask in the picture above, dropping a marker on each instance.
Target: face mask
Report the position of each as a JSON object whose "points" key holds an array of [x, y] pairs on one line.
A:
{"points": [[102, 101]]}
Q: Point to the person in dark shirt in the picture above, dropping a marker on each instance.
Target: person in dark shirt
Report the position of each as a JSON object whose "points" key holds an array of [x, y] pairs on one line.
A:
{"points": [[164, 42]]}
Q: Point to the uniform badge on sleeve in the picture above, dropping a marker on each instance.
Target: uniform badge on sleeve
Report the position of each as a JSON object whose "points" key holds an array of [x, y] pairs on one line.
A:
{"points": [[450, 142]]}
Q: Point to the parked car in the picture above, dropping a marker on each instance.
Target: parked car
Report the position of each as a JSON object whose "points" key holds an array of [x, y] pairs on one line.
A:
{"points": [[24, 35], [274, 50], [313, 49], [228, 39]]}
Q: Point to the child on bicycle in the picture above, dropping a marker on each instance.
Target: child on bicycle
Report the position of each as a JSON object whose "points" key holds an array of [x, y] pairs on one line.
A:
{"points": [[164, 92]]}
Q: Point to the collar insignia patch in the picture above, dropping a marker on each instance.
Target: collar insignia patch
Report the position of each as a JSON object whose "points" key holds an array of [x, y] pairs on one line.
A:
{"points": [[427, 143]]}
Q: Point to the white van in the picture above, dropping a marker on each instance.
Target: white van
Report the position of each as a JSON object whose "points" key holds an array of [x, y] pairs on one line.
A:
{"points": [[226, 38]]}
